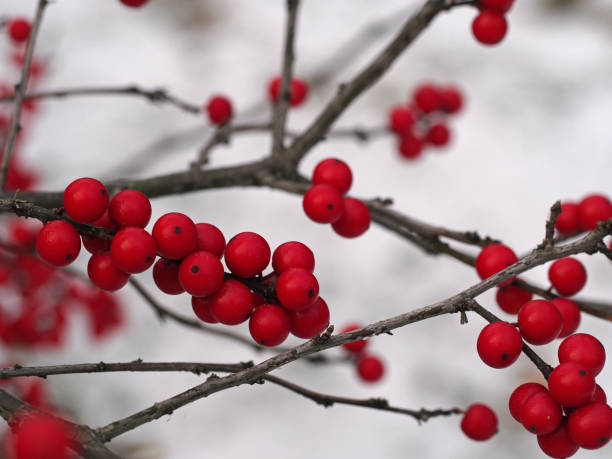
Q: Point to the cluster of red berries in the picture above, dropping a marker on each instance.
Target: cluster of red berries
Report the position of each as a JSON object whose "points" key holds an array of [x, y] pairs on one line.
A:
{"points": [[370, 368], [583, 216], [490, 26], [422, 122], [325, 200], [284, 301]]}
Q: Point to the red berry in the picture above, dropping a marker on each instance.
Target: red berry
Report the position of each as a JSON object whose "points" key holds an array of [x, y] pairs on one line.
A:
{"points": [[130, 208], [571, 315], [479, 422], [539, 321], [354, 346], [489, 27], [104, 274], [40, 436], [298, 89], [58, 243], [410, 146], [599, 395], [19, 30], [355, 219], [219, 110], [232, 303], [567, 275], [499, 344], [593, 209], [323, 203], [23, 233], [401, 120], [571, 384], [451, 99], [311, 321], [165, 275], [568, 221], [201, 274], [297, 289], [258, 299], [292, 254], [134, 3], [201, 308], [438, 135], [175, 235], [584, 349], [269, 325], [95, 244], [210, 239], [510, 298], [133, 250], [591, 426], [426, 98], [334, 172], [493, 259], [541, 414], [559, 443], [370, 369], [85, 200], [247, 254], [497, 5], [520, 395]]}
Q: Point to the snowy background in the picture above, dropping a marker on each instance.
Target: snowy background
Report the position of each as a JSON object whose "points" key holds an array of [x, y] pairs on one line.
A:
{"points": [[536, 128]]}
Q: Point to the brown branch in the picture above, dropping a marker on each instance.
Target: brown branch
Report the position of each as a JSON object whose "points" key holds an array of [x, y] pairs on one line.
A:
{"points": [[20, 89], [152, 95], [555, 211]]}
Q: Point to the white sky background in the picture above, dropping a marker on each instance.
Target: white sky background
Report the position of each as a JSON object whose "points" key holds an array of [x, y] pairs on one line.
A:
{"points": [[535, 129]]}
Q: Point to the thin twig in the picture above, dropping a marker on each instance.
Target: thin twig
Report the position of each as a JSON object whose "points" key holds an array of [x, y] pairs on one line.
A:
{"points": [[20, 89], [555, 211]]}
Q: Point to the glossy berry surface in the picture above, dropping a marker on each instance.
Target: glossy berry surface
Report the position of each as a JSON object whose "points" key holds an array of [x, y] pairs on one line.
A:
{"points": [[479, 422], [292, 254], [558, 444], [354, 346], [165, 276], [355, 219], [175, 235], [309, 322], [539, 321], [19, 30], [599, 395], [95, 244], [584, 349], [201, 308], [520, 395], [58, 243], [591, 426], [133, 250], [42, 437], [297, 289], [571, 384], [323, 203], [333, 172], [130, 208], [410, 146], [201, 274], [592, 209], [489, 27], [426, 98], [232, 303], [570, 312], [401, 120], [567, 275], [492, 259], [541, 414], [219, 109], [568, 221], [438, 135], [103, 273], [247, 254], [370, 368], [499, 344], [85, 200], [210, 239], [510, 298], [269, 325], [298, 88]]}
